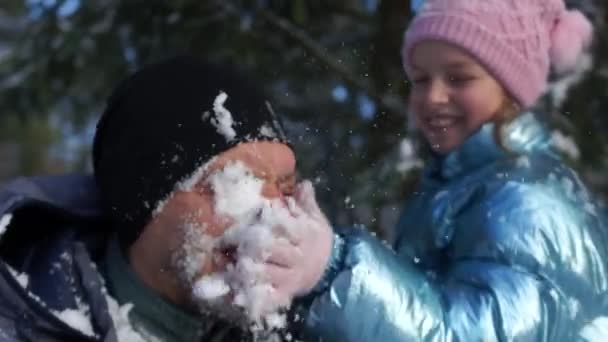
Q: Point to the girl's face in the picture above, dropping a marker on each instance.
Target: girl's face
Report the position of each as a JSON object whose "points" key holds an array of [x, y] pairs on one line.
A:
{"points": [[452, 95]]}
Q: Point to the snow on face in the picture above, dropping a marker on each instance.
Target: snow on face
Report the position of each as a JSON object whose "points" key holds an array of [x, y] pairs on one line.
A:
{"points": [[238, 193], [238, 197], [223, 118], [194, 252]]}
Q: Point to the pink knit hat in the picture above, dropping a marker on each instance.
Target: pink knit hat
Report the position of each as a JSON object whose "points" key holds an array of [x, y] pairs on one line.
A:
{"points": [[518, 41]]}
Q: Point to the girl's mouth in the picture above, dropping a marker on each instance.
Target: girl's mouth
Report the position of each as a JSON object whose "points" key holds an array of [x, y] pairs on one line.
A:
{"points": [[441, 122]]}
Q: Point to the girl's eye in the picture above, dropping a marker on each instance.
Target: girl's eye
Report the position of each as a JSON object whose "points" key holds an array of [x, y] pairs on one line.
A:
{"points": [[460, 79]]}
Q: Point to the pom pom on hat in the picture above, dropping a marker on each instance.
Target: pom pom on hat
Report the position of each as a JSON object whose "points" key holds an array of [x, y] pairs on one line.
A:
{"points": [[570, 36]]}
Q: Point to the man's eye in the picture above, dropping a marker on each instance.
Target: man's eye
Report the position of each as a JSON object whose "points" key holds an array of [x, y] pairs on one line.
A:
{"points": [[288, 189], [204, 189]]}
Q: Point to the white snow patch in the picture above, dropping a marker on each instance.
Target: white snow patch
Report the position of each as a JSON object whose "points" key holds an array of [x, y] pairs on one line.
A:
{"points": [[4, 222], [211, 286], [77, 318], [223, 118], [267, 131], [565, 144], [238, 191], [238, 197], [22, 278], [120, 317]]}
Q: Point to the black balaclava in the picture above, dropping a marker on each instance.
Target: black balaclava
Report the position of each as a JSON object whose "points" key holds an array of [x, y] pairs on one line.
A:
{"points": [[158, 128]]}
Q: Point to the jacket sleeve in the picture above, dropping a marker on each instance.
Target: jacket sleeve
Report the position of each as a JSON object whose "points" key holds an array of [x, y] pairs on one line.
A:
{"points": [[498, 291]]}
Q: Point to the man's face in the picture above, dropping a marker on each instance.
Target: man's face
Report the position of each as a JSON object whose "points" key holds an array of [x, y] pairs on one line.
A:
{"points": [[272, 162], [270, 165]]}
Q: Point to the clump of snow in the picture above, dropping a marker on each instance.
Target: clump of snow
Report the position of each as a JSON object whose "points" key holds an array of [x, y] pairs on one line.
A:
{"points": [[238, 192], [253, 236], [120, 317], [267, 131], [223, 118], [77, 318], [565, 144], [4, 222], [252, 230], [211, 286], [22, 278]]}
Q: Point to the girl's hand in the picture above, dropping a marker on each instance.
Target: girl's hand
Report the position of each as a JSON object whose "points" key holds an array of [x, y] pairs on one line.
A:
{"points": [[296, 262]]}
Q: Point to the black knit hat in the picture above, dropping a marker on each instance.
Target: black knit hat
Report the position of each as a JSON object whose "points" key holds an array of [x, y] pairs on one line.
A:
{"points": [[159, 126]]}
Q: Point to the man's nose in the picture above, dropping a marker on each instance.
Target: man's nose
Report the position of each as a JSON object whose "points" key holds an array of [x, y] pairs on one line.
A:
{"points": [[272, 190]]}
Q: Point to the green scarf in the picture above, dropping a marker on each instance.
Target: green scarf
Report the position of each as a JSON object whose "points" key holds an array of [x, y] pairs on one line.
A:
{"points": [[151, 314]]}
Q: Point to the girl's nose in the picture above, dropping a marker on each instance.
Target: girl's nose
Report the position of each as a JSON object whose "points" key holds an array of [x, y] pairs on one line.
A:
{"points": [[436, 93]]}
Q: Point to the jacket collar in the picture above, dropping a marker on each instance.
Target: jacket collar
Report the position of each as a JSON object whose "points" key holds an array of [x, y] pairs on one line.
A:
{"points": [[524, 135]]}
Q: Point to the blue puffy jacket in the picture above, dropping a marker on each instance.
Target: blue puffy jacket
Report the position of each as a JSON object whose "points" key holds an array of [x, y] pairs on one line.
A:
{"points": [[495, 246]]}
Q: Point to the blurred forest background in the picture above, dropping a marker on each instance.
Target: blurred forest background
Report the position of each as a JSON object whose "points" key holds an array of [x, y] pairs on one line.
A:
{"points": [[331, 68]]}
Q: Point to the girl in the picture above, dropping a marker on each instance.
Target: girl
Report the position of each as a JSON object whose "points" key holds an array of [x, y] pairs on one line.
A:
{"points": [[502, 240]]}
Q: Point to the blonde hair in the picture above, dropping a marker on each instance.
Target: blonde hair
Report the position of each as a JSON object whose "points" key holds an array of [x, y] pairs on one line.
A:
{"points": [[509, 110]]}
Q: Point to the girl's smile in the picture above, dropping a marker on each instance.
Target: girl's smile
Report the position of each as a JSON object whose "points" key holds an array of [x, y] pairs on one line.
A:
{"points": [[452, 94]]}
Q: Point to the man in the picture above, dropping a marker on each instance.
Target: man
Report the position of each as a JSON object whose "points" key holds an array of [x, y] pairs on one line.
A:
{"points": [[102, 258]]}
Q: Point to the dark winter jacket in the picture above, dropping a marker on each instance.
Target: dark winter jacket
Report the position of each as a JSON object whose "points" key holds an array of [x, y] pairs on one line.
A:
{"points": [[45, 268], [50, 286], [497, 245]]}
